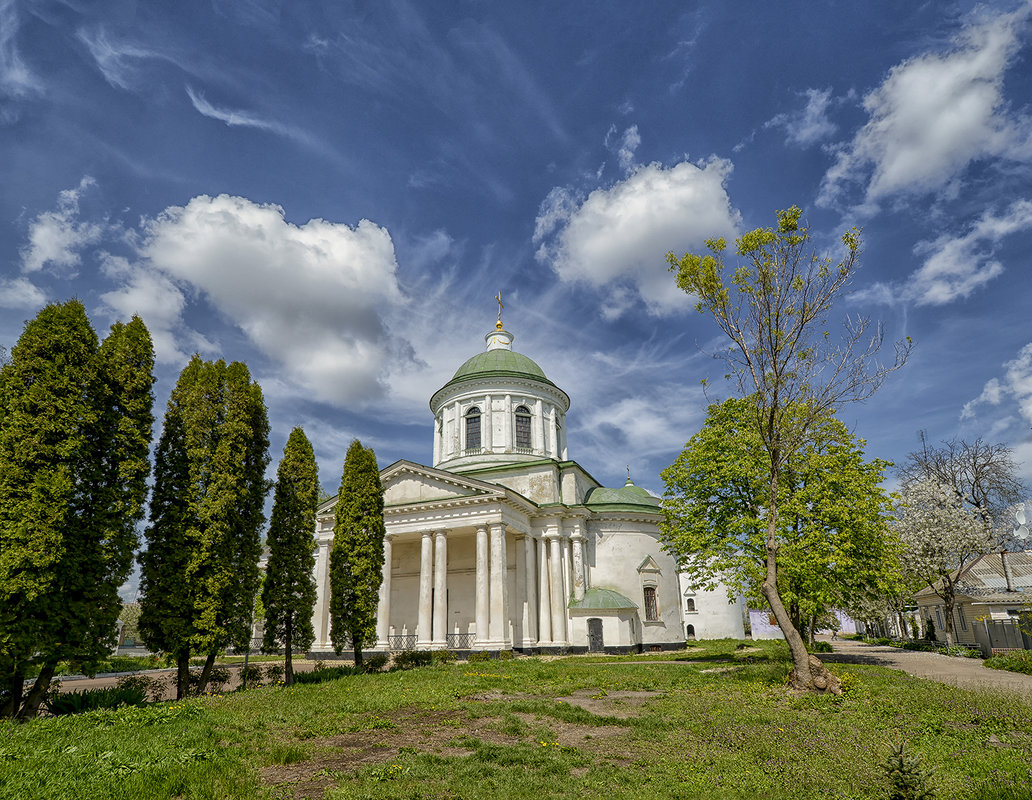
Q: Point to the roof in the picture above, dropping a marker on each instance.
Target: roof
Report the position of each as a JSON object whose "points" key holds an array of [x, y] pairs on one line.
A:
{"points": [[626, 495], [498, 363], [603, 599], [984, 581]]}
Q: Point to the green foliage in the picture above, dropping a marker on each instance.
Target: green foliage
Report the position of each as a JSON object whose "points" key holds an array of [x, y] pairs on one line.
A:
{"points": [[92, 699], [908, 779], [75, 427], [1014, 661], [356, 560], [833, 541], [478, 656], [288, 591], [252, 675], [822, 647], [442, 657], [200, 569], [274, 672], [409, 659], [376, 662], [327, 674], [151, 688]]}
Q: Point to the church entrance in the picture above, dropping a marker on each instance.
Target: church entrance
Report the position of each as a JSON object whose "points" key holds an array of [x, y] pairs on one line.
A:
{"points": [[595, 643]]}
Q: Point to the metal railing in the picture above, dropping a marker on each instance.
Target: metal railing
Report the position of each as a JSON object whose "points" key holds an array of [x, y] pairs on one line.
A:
{"points": [[401, 642], [461, 641]]}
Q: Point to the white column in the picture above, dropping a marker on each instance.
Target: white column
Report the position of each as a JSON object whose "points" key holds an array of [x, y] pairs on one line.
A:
{"points": [[486, 426], [499, 563], [555, 574], [567, 570], [508, 426], [579, 578], [539, 434], [483, 583], [530, 614], [383, 611], [322, 596], [544, 601], [426, 569], [438, 425], [440, 632], [519, 601]]}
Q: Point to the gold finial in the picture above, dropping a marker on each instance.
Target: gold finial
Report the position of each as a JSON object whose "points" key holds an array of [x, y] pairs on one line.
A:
{"points": [[498, 297]]}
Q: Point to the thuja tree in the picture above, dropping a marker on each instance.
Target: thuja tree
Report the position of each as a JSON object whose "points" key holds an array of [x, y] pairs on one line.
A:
{"points": [[200, 568], [356, 560], [835, 543], [288, 592], [773, 304], [941, 539], [75, 427]]}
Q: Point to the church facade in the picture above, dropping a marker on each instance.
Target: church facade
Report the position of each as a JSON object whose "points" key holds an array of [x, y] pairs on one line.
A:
{"points": [[507, 544]]}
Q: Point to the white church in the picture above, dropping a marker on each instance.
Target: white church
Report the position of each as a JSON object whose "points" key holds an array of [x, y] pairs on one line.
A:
{"points": [[507, 544]]}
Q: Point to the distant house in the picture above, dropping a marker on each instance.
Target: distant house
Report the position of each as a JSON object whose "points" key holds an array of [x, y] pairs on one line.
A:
{"points": [[994, 587]]}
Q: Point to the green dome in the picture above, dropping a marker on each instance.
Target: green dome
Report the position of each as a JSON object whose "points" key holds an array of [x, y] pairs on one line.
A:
{"points": [[494, 362], [626, 495], [603, 599]]}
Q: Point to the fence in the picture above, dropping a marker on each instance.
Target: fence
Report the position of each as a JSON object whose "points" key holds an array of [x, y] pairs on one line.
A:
{"points": [[994, 636]]}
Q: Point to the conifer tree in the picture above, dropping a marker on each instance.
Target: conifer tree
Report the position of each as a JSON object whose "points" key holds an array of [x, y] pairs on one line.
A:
{"points": [[200, 570], [356, 560], [288, 593], [75, 425]]}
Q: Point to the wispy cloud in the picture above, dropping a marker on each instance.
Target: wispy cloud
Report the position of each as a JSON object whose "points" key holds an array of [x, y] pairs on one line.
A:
{"points": [[956, 266], [16, 79], [1014, 385], [809, 125], [936, 114], [115, 59]]}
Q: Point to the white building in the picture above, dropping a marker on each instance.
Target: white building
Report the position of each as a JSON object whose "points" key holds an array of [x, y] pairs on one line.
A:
{"points": [[504, 543]]}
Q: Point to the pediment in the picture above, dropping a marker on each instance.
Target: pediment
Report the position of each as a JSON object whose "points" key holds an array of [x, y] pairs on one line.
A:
{"points": [[405, 483], [649, 565]]}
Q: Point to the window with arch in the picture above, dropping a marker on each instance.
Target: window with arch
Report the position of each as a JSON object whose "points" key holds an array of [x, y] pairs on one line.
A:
{"points": [[473, 428], [523, 427], [689, 604], [651, 608]]}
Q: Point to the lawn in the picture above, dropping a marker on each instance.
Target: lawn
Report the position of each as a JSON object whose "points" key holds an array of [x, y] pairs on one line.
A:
{"points": [[714, 722]]}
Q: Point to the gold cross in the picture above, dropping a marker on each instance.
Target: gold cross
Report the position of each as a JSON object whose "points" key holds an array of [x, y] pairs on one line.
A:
{"points": [[498, 297]]}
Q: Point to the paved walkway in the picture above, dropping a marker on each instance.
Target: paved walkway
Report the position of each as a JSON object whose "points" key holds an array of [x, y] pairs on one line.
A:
{"points": [[967, 673]]}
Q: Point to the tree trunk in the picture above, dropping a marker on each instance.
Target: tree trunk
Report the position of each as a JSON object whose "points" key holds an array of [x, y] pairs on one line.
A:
{"points": [[808, 673], [30, 708], [15, 689], [948, 600], [357, 644], [903, 626], [182, 673], [209, 662], [288, 652]]}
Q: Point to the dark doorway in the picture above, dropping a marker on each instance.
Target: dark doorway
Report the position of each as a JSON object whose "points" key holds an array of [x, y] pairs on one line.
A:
{"points": [[595, 643], [690, 633]]}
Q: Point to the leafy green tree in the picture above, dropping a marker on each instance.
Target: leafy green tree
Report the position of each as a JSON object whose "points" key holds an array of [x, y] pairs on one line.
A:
{"points": [[773, 306], [356, 560], [834, 540], [288, 593], [200, 569], [75, 426]]}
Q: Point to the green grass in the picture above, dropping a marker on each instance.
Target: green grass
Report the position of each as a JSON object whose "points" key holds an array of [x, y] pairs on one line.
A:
{"points": [[716, 723], [1015, 661]]}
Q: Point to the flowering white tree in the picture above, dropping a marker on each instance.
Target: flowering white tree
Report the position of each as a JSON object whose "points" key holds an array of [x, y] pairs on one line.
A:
{"points": [[941, 539]]}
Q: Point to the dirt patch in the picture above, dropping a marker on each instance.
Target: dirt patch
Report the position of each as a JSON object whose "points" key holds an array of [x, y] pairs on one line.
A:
{"points": [[609, 704], [381, 739]]}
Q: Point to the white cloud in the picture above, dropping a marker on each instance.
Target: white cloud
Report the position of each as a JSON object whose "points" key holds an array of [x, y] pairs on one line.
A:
{"points": [[956, 266], [20, 293], [628, 145], [1016, 385], [935, 114], [56, 237], [114, 58], [618, 237], [811, 124], [312, 297], [16, 80]]}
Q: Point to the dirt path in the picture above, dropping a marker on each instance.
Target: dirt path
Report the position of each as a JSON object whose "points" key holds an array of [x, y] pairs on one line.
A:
{"points": [[967, 673]]}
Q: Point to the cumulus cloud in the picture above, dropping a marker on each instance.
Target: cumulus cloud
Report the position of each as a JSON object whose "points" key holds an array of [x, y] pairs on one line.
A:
{"points": [[956, 266], [618, 237], [1016, 385], [312, 297], [20, 293], [811, 124], [935, 114], [57, 237]]}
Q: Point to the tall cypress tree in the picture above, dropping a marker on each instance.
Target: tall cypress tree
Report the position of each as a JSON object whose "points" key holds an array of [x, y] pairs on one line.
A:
{"points": [[289, 590], [200, 570], [356, 560], [74, 435]]}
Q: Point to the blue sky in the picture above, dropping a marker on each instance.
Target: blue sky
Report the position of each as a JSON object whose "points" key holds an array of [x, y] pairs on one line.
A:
{"points": [[334, 192]]}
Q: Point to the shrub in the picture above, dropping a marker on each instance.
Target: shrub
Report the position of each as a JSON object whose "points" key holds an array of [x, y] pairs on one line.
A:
{"points": [[821, 647], [479, 655], [1015, 661], [274, 672], [408, 659], [376, 662], [325, 674], [129, 663], [217, 679], [251, 675], [91, 699], [506, 655], [442, 657], [152, 688], [909, 780]]}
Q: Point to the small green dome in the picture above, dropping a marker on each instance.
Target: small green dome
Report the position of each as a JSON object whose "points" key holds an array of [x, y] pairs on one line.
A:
{"points": [[626, 495], [603, 599]]}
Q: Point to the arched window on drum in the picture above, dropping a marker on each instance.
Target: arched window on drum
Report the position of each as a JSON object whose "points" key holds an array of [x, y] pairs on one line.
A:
{"points": [[522, 428], [473, 430]]}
